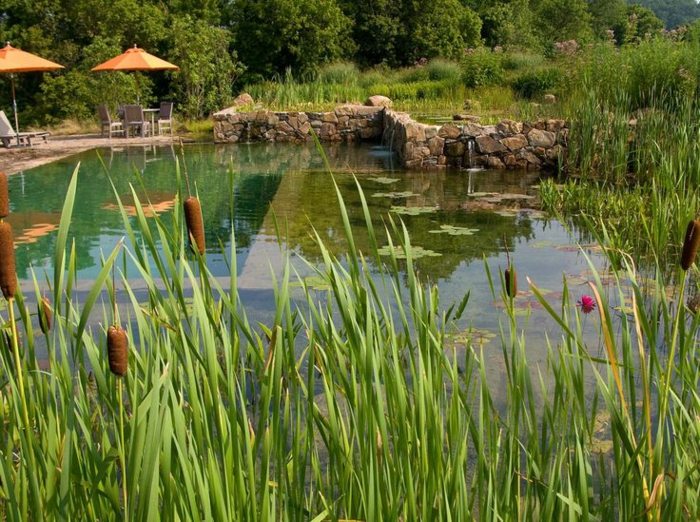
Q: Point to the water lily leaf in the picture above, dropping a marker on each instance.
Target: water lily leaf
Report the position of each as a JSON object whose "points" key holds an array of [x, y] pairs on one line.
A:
{"points": [[455, 231], [482, 194], [416, 252], [383, 180], [395, 195], [317, 283], [473, 336], [414, 211]]}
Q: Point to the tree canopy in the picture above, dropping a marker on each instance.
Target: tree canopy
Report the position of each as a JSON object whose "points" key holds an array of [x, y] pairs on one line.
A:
{"points": [[217, 43]]}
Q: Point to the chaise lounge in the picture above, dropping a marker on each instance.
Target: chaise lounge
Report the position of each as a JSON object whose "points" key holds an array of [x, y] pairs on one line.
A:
{"points": [[7, 133]]}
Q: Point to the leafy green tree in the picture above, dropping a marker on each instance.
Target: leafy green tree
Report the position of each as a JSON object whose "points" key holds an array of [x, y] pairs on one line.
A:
{"points": [[561, 20], [672, 12], [207, 67], [439, 28], [377, 30], [272, 36], [640, 22], [507, 24], [607, 15]]}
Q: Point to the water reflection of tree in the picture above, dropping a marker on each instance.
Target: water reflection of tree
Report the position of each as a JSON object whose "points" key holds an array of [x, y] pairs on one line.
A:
{"points": [[311, 202]]}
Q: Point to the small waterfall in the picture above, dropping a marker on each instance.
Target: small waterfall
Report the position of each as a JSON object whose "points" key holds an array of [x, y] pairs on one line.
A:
{"points": [[470, 153], [391, 140]]}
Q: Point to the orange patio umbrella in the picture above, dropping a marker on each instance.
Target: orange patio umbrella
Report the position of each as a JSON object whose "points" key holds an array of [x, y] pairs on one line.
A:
{"points": [[135, 59], [16, 61]]}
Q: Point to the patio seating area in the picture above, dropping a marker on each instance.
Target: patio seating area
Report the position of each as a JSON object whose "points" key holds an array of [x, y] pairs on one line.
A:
{"points": [[135, 120]]}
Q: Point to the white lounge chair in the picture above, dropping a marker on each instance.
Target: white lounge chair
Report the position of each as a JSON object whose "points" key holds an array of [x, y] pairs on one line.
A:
{"points": [[8, 134]]}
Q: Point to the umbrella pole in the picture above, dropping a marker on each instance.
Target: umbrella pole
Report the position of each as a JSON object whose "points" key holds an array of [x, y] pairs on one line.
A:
{"points": [[14, 107]]}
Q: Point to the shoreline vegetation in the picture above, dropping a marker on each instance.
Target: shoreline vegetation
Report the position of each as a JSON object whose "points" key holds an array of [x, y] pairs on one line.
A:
{"points": [[354, 403]]}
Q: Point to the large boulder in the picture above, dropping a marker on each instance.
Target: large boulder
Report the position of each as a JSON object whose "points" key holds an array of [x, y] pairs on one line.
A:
{"points": [[379, 101], [243, 99]]}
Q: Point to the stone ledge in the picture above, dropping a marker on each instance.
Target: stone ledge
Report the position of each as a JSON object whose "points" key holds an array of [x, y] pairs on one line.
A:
{"points": [[506, 145]]}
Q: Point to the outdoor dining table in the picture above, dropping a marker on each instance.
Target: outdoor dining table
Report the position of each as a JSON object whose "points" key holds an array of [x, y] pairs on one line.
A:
{"points": [[152, 113]]}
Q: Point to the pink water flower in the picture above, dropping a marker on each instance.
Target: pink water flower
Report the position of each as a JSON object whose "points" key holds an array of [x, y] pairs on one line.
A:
{"points": [[586, 304]]}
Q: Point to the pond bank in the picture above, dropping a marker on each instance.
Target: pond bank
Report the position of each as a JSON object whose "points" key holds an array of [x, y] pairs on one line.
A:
{"points": [[18, 159], [539, 145]]}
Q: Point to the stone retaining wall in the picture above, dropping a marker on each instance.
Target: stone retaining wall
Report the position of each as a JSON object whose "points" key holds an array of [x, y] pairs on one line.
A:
{"points": [[345, 123], [509, 144]]}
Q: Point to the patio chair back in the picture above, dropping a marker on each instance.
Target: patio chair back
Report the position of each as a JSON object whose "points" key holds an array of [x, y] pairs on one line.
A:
{"points": [[133, 119], [113, 127], [165, 115]]}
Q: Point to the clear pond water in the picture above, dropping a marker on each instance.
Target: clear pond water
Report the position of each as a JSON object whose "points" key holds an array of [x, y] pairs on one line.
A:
{"points": [[458, 221]]}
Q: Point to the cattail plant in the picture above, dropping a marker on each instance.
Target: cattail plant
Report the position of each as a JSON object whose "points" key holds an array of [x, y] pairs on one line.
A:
{"points": [[8, 277], [195, 226], [690, 244], [118, 350], [4, 196], [45, 315], [509, 276], [193, 212]]}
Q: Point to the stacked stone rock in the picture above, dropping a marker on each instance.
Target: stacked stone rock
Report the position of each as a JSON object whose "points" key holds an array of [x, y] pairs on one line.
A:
{"points": [[345, 123], [506, 145]]}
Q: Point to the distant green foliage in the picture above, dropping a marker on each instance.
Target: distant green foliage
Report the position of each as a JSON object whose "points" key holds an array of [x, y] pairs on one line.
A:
{"points": [[443, 70], [207, 68], [339, 73], [481, 67], [537, 83], [518, 61], [274, 35], [673, 12]]}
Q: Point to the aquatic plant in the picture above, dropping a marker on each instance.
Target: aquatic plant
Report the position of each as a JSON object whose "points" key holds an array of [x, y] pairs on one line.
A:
{"points": [[369, 403]]}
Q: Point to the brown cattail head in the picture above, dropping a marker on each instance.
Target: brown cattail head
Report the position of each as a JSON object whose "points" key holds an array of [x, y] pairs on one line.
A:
{"points": [[45, 316], [195, 226], [511, 280], [690, 244], [118, 350], [4, 196], [8, 277]]}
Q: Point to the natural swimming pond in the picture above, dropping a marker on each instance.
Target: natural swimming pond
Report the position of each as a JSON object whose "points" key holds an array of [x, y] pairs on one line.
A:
{"points": [[458, 221]]}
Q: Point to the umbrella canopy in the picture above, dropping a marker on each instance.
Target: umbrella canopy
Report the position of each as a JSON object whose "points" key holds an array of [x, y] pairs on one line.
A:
{"points": [[14, 60], [135, 59]]}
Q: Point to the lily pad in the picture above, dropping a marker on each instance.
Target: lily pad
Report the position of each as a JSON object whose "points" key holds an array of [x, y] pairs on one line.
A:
{"points": [[383, 180], [473, 336], [455, 231], [414, 211], [482, 194], [395, 195], [416, 252]]}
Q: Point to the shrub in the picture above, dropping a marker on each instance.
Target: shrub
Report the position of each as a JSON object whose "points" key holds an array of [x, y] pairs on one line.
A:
{"points": [[482, 67], [443, 70], [339, 73], [536, 83], [518, 61]]}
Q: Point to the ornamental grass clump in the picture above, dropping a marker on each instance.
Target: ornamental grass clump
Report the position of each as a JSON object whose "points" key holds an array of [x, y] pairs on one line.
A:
{"points": [[690, 244]]}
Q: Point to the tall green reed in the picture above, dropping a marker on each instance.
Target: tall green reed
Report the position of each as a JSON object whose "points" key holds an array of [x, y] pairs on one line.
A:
{"points": [[351, 403]]}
